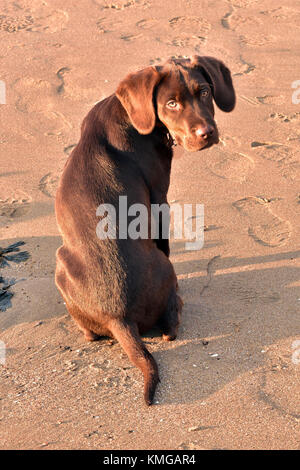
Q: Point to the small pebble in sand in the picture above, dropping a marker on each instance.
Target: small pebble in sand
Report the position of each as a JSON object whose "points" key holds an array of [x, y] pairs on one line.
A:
{"points": [[194, 428]]}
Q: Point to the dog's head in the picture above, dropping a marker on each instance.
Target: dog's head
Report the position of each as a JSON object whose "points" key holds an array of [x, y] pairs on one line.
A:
{"points": [[180, 95]]}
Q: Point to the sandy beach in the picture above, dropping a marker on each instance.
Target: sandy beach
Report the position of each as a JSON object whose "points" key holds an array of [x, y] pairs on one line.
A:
{"points": [[231, 378]]}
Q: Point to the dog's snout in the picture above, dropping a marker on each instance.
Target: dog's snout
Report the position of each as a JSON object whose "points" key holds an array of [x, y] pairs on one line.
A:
{"points": [[204, 132], [201, 135]]}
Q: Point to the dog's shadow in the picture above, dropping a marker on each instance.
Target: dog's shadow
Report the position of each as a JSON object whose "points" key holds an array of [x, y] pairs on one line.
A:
{"points": [[229, 319]]}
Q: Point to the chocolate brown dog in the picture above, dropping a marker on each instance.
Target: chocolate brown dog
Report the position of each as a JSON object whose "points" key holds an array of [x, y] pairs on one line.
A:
{"points": [[122, 287]]}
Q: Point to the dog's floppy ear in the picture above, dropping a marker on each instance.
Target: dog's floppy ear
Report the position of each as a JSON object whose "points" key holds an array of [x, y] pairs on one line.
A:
{"points": [[136, 95], [220, 78]]}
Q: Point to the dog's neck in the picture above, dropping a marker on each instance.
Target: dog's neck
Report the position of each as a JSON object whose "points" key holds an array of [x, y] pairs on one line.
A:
{"points": [[166, 137], [121, 134], [171, 141]]}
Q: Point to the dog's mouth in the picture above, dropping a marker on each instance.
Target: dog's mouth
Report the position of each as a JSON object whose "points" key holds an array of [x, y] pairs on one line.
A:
{"points": [[195, 145], [208, 145]]}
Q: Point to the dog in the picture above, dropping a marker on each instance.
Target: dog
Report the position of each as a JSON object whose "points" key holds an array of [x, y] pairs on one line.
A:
{"points": [[120, 287]]}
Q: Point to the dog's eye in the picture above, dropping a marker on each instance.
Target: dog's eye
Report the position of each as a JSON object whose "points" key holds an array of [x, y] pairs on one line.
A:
{"points": [[204, 93], [172, 104]]}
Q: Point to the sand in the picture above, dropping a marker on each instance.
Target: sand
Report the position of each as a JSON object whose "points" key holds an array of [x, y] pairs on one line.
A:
{"points": [[231, 379]]}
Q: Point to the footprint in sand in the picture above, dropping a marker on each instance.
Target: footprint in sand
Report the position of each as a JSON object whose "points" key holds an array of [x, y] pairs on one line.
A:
{"points": [[190, 24], [280, 390], [184, 40], [50, 123], [26, 5], [284, 117], [230, 165], [34, 95], [114, 381], [271, 99], [273, 151], [256, 40], [39, 99], [13, 24], [285, 157], [229, 141], [283, 15], [242, 3], [164, 59], [119, 4], [265, 227], [251, 294], [15, 206], [237, 22], [105, 25], [75, 84], [49, 183], [147, 23], [50, 22]]}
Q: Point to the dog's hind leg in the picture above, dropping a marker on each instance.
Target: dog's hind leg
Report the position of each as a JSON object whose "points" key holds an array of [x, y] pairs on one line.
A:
{"points": [[170, 320], [82, 323], [127, 334]]}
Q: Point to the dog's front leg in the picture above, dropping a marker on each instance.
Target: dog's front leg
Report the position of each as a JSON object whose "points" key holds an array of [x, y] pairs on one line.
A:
{"points": [[163, 245], [161, 220]]}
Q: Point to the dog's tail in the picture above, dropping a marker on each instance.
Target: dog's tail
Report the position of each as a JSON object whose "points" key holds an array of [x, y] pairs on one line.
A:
{"points": [[128, 336]]}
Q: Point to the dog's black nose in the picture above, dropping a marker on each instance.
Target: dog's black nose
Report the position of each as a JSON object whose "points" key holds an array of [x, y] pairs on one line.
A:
{"points": [[204, 132]]}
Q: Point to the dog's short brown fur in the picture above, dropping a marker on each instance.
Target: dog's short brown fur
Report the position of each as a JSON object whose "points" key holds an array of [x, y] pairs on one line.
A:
{"points": [[122, 288]]}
